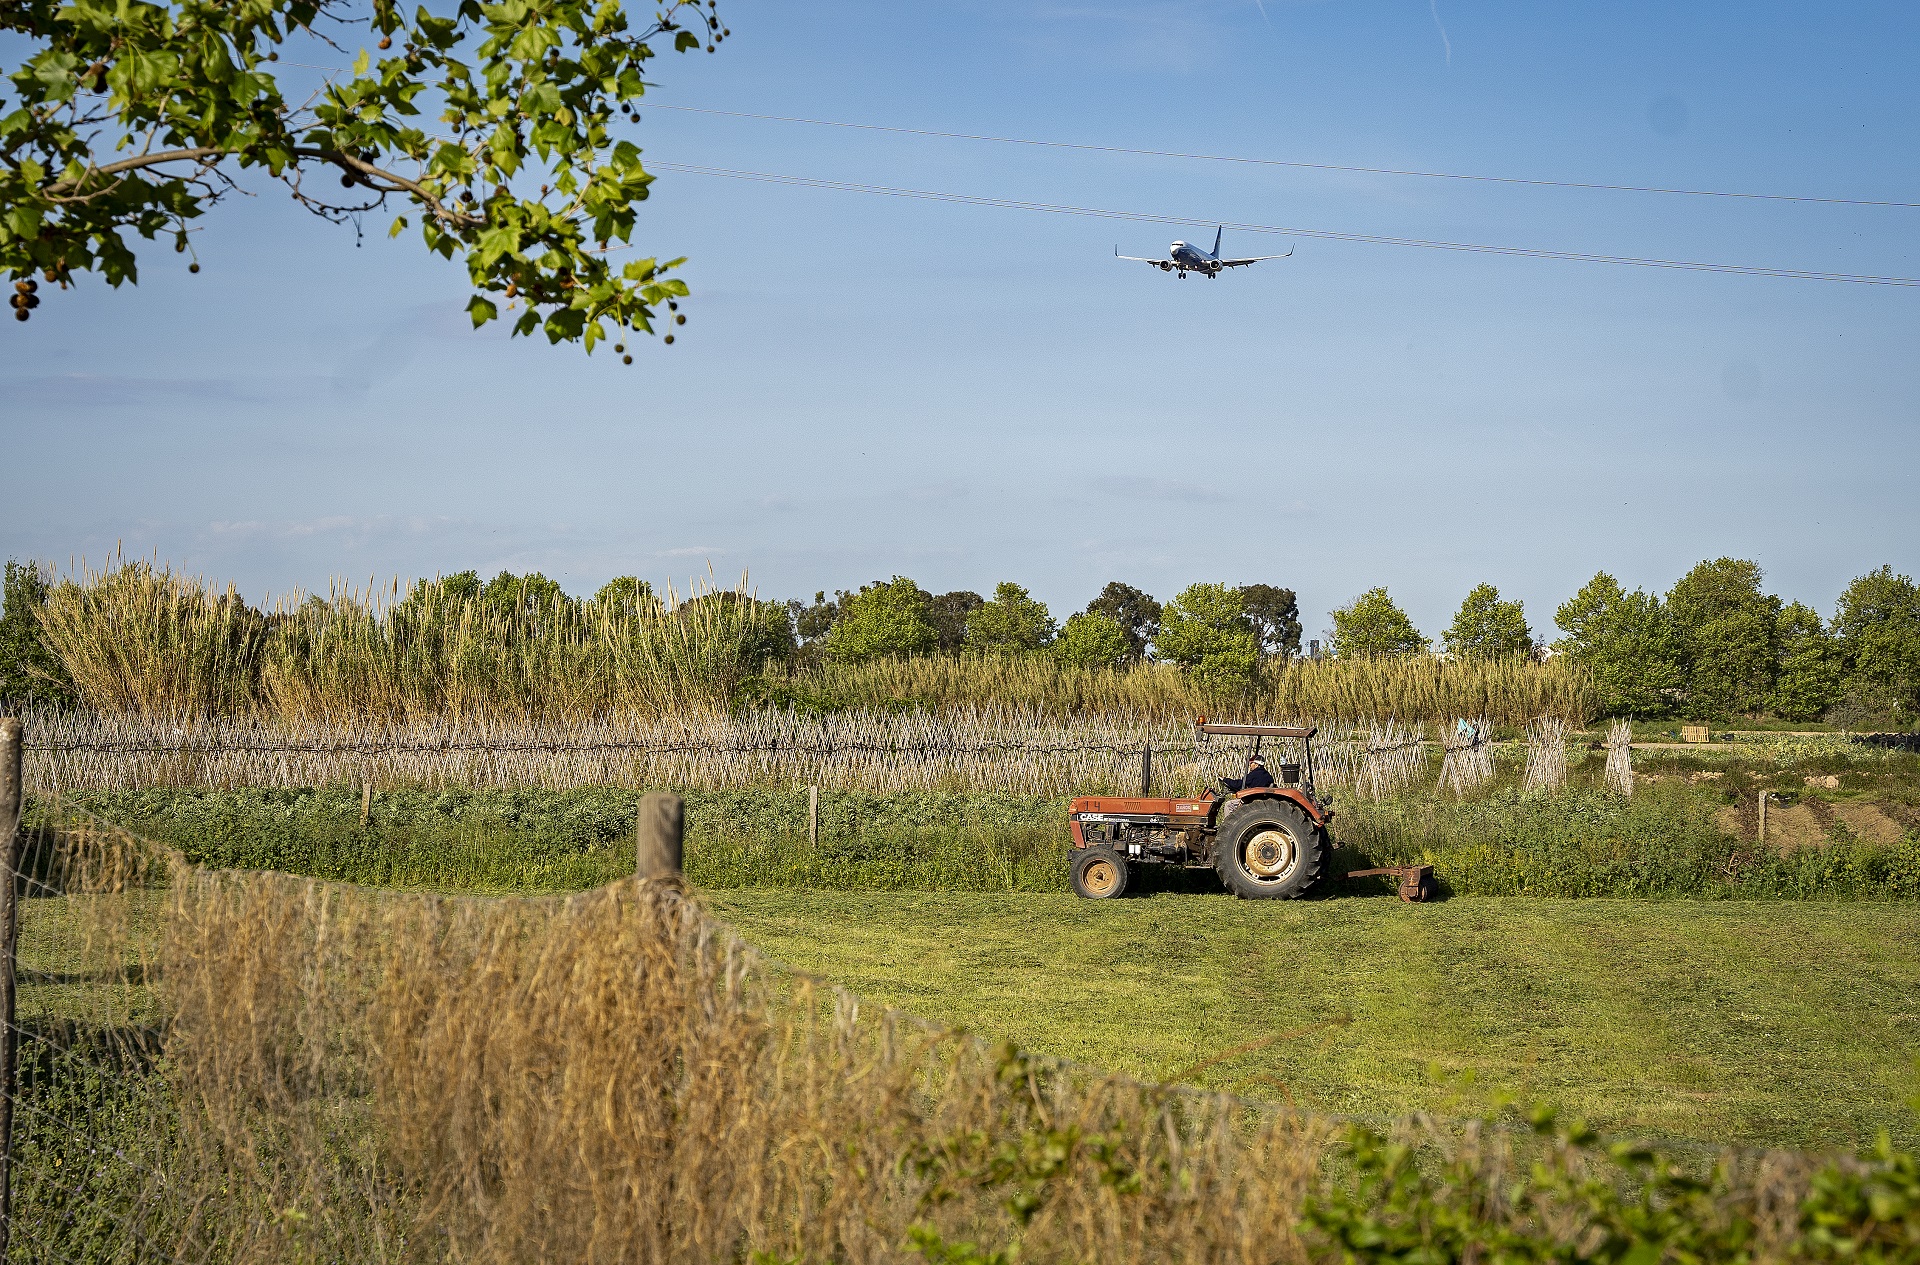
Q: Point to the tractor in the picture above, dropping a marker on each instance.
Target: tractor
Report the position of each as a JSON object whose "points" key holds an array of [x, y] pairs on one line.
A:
{"points": [[1265, 842]]}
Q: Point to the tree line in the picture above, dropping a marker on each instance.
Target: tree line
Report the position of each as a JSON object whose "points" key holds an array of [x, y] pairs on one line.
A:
{"points": [[1715, 646]]}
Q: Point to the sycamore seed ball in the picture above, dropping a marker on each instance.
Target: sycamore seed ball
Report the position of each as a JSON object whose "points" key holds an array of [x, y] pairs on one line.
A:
{"points": [[626, 360], [669, 340], [680, 319]]}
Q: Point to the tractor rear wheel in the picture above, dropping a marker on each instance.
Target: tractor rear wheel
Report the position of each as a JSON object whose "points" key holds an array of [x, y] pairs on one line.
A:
{"points": [[1269, 852], [1099, 873]]}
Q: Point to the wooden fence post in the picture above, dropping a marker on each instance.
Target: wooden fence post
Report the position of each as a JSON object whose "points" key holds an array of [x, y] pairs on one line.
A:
{"points": [[663, 823], [1763, 816], [10, 794], [813, 817]]}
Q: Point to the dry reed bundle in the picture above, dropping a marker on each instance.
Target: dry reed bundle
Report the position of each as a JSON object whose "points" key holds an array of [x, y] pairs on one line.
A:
{"points": [[1620, 756], [1467, 762], [1546, 756], [990, 749], [1393, 757]]}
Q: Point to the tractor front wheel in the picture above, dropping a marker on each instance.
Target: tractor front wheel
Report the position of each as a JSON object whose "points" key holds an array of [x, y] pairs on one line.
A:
{"points": [[1269, 852], [1099, 873]]}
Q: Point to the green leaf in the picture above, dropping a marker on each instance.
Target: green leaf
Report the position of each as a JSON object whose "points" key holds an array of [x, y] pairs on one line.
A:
{"points": [[482, 310]]}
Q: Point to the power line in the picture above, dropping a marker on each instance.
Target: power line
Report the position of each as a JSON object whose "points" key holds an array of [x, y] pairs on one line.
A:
{"points": [[1372, 239], [1281, 162]]}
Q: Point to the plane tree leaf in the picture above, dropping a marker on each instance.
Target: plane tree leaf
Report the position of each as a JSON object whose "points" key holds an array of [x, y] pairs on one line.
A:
{"points": [[501, 129]]}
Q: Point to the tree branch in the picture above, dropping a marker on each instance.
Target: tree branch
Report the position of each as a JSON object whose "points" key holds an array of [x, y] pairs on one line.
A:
{"points": [[61, 187], [359, 167]]}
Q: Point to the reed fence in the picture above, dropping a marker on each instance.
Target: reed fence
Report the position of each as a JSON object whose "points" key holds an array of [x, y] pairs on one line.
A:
{"points": [[980, 750]]}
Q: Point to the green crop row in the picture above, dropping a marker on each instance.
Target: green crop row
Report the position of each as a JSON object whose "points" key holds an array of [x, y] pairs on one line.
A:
{"points": [[1583, 842]]}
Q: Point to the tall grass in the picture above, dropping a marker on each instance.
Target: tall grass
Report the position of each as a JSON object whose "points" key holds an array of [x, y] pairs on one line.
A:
{"points": [[149, 642], [142, 640], [146, 641], [1415, 689]]}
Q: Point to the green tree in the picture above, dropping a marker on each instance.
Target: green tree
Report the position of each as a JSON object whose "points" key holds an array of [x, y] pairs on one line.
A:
{"points": [[948, 614], [1206, 631], [1724, 632], [1487, 628], [627, 595], [1625, 641], [882, 620], [130, 119], [1093, 641], [1371, 626], [762, 631], [1134, 610], [1877, 627], [29, 670], [814, 622], [1012, 623], [1807, 680], [523, 599], [1275, 614]]}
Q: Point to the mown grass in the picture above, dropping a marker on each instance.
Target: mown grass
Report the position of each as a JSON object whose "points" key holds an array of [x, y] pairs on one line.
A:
{"points": [[1747, 1022]]}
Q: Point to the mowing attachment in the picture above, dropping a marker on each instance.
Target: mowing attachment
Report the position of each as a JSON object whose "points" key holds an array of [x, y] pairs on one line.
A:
{"points": [[1416, 881]]}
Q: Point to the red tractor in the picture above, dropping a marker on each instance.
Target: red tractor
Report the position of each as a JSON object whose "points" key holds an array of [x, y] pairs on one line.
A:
{"points": [[1265, 842]]}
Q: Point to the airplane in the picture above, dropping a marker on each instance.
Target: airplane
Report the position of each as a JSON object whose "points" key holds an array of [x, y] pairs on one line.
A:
{"points": [[1190, 258]]}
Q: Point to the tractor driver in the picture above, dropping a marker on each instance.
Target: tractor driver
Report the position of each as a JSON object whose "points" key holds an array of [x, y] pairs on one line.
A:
{"points": [[1257, 775]]}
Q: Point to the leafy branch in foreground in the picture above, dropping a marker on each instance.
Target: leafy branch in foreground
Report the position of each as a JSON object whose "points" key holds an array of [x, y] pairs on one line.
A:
{"points": [[129, 117]]}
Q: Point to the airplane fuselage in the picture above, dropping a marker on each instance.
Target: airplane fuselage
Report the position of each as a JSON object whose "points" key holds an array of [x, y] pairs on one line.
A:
{"points": [[1187, 257]]}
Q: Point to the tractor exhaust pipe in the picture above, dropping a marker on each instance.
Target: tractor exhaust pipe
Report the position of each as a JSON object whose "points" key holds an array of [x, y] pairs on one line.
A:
{"points": [[1146, 770]]}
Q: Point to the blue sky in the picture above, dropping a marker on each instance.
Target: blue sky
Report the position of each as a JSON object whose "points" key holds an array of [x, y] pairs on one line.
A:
{"points": [[870, 386]]}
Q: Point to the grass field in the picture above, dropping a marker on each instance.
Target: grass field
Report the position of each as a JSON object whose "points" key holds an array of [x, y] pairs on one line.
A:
{"points": [[1785, 1023]]}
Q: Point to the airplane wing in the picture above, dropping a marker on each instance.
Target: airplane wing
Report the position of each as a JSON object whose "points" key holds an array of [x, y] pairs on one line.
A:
{"points": [[1241, 263], [1139, 259]]}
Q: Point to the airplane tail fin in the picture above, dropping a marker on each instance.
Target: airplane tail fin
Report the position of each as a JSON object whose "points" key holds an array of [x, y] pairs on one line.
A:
{"points": [[1216, 240]]}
